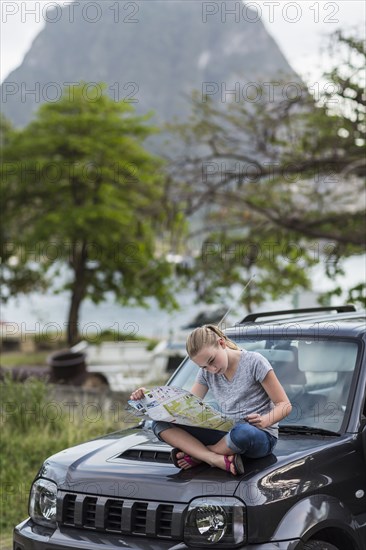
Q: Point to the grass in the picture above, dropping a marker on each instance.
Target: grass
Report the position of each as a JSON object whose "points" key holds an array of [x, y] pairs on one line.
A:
{"points": [[20, 359], [6, 542], [30, 432]]}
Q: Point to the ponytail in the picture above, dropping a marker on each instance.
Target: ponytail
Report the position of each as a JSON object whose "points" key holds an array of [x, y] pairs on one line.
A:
{"points": [[206, 336]]}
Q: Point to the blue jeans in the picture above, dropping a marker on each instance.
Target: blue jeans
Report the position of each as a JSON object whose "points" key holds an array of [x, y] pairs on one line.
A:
{"points": [[243, 438]]}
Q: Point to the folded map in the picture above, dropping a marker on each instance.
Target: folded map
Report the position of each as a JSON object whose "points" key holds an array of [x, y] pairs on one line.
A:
{"points": [[172, 404]]}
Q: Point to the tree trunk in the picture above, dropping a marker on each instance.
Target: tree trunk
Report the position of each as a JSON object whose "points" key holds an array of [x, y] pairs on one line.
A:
{"points": [[78, 263], [77, 297]]}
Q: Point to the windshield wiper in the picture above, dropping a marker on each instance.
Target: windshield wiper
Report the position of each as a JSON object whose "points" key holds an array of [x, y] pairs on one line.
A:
{"points": [[306, 430]]}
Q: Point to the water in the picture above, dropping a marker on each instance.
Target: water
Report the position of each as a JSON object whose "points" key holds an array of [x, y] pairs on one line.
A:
{"points": [[46, 313]]}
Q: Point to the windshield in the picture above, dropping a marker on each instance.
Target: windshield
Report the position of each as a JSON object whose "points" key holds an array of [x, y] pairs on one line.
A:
{"points": [[316, 375]]}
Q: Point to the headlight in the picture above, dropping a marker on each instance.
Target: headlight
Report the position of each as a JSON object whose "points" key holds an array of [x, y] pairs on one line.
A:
{"points": [[42, 503], [215, 521]]}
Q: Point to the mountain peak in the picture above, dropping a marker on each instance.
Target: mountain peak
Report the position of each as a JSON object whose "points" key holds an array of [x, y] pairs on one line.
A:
{"points": [[150, 54]]}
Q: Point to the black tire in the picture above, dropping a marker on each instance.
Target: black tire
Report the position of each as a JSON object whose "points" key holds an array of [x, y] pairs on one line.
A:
{"points": [[319, 545]]}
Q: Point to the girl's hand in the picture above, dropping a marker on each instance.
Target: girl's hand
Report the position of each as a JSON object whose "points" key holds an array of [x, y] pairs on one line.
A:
{"points": [[137, 394], [257, 420]]}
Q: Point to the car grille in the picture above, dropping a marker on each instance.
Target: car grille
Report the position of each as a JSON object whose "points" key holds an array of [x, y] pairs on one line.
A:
{"points": [[125, 516]]}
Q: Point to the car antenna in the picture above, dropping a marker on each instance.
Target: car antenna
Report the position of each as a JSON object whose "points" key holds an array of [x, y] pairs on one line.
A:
{"points": [[231, 307]]}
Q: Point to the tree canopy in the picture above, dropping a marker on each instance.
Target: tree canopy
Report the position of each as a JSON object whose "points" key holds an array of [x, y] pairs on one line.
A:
{"points": [[81, 192], [276, 181]]}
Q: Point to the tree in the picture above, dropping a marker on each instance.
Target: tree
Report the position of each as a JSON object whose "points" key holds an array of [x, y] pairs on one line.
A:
{"points": [[81, 191], [16, 273], [280, 171]]}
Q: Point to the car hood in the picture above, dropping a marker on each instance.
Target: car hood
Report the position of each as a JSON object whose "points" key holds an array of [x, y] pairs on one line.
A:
{"points": [[134, 464]]}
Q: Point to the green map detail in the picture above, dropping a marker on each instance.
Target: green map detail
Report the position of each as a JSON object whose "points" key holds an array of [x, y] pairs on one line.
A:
{"points": [[191, 411]]}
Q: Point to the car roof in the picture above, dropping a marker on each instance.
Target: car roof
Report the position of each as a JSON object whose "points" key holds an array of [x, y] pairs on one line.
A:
{"points": [[309, 322]]}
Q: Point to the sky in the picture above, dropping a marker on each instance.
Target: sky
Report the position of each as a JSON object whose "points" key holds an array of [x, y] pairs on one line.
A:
{"points": [[299, 28]]}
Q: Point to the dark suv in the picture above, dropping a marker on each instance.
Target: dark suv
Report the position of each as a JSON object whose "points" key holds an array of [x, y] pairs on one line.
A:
{"points": [[123, 491]]}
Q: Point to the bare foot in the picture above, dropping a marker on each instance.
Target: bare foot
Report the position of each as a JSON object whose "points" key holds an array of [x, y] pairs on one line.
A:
{"points": [[184, 461], [230, 463], [226, 463]]}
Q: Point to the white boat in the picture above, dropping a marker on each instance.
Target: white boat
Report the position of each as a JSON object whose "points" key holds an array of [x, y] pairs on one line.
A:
{"points": [[121, 366]]}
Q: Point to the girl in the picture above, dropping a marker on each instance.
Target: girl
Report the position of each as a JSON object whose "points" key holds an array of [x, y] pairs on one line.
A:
{"points": [[246, 389]]}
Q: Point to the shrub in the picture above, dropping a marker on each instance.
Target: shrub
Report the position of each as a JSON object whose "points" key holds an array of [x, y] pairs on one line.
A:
{"points": [[33, 428]]}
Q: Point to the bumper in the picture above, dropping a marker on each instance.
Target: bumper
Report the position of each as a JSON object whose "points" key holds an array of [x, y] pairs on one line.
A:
{"points": [[28, 536]]}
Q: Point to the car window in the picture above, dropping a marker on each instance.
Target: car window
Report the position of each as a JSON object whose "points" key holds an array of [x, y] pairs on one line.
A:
{"points": [[316, 375]]}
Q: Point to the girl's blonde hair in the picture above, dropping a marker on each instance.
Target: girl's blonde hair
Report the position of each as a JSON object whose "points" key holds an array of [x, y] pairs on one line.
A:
{"points": [[206, 336]]}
